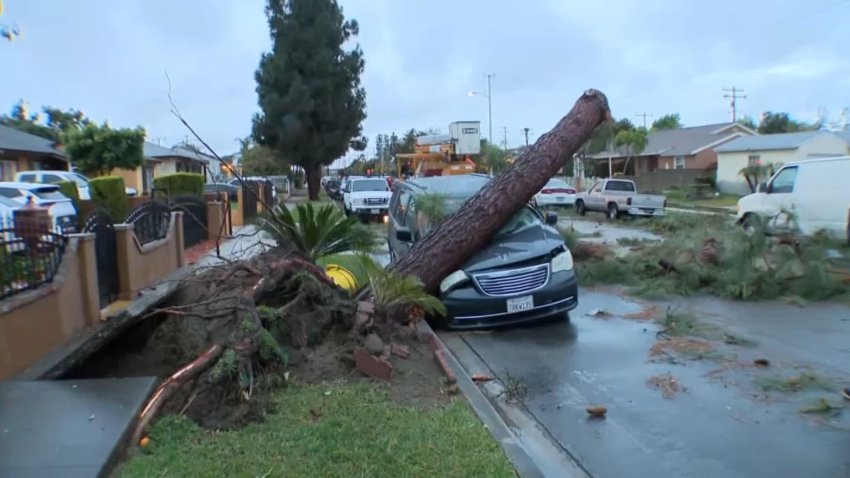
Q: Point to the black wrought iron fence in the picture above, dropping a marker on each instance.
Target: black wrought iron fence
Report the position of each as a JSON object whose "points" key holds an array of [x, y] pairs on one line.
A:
{"points": [[101, 224], [150, 221], [30, 256], [194, 218]]}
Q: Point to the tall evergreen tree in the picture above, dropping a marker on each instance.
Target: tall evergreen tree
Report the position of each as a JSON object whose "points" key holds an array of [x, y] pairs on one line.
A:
{"points": [[312, 104]]}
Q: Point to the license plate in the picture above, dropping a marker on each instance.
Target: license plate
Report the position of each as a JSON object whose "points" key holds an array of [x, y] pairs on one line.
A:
{"points": [[560, 199], [520, 304], [376, 211]]}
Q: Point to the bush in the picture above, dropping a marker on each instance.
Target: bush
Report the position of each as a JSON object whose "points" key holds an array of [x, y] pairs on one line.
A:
{"points": [[180, 183], [69, 189], [108, 192]]}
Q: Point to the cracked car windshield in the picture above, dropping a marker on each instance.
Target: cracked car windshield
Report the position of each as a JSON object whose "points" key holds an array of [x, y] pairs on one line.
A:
{"points": [[443, 238]]}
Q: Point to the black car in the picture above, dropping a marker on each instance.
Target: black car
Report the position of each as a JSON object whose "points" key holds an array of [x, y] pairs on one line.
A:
{"points": [[334, 189], [526, 273], [227, 190]]}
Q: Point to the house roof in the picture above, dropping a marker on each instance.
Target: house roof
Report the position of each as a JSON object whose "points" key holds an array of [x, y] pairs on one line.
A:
{"points": [[156, 151], [16, 140], [767, 142], [683, 141]]}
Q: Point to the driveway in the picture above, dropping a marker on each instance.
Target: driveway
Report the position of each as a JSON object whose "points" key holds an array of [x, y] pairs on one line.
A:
{"points": [[697, 412]]}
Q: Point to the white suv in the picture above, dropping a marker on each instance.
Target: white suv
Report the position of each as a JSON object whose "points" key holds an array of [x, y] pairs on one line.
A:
{"points": [[366, 196]]}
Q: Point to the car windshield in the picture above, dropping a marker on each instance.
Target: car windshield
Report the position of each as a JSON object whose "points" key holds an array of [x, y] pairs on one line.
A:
{"points": [[522, 220], [557, 183], [370, 185], [50, 194], [80, 180]]}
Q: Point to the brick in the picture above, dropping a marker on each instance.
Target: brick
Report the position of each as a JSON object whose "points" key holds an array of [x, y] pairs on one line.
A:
{"points": [[372, 366], [400, 350], [444, 364]]}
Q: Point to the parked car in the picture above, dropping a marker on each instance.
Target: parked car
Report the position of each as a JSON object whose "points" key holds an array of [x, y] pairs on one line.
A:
{"points": [[228, 190], [366, 197], [556, 193], [333, 188], [617, 197], [525, 274], [52, 177], [60, 207], [805, 197]]}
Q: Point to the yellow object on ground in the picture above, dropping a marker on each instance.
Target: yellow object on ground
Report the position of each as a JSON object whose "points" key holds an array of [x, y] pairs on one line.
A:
{"points": [[341, 276]]}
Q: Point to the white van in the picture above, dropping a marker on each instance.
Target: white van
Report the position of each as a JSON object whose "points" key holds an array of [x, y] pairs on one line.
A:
{"points": [[808, 196]]}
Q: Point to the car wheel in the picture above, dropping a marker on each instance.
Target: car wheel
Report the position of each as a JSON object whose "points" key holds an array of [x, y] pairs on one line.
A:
{"points": [[751, 223], [580, 208], [613, 212]]}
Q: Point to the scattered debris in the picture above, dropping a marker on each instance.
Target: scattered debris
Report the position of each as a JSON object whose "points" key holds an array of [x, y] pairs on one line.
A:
{"points": [[515, 390], [762, 362], [374, 344], [401, 351], [822, 407], [480, 377], [794, 383], [597, 411], [648, 312], [599, 313], [683, 346], [315, 415], [666, 383], [367, 364], [144, 442]]}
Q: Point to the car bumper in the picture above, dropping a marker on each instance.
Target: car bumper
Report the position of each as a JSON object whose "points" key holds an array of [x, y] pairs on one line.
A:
{"points": [[636, 211], [468, 308], [555, 200], [369, 210]]}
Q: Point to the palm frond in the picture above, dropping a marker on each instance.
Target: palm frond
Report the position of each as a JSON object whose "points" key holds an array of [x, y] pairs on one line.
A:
{"points": [[391, 289]]}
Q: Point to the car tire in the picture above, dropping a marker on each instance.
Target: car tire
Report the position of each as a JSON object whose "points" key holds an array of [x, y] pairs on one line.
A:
{"points": [[613, 212], [580, 209], [751, 223]]}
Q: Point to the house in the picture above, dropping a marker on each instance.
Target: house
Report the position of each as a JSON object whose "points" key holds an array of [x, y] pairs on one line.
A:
{"points": [[774, 149], [21, 151], [690, 148], [160, 161]]}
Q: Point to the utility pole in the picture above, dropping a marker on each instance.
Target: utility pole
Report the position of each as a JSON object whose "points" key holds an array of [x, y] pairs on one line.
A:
{"points": [[644, 116], [526, 131], [490, 105], [733, 96]]}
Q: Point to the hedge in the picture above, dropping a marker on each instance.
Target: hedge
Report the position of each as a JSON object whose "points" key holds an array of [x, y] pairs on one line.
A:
{"points": [[180, 183], [108, 192], [69, 189]]}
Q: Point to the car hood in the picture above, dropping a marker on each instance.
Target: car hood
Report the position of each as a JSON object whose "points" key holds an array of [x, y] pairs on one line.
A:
{"points": [[521, 246]]}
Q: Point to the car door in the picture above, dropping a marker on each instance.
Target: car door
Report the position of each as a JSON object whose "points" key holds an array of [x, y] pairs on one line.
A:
{"points": [[781, 207], [593, 199], [399, 208]]}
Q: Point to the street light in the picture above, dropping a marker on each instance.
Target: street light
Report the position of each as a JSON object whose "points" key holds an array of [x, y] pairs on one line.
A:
{"points": [[489, 104]]}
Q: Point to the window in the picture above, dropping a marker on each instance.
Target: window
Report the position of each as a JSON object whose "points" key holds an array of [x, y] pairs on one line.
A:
{"points": [[783, 182], [49, 193], [626, 186], [27, 178], [10, 193], [679, 162], [370, 185], [594, 188], [470, 130], [81, 180], [753, 160], [51, 178], [399, 207], [7, 169]]}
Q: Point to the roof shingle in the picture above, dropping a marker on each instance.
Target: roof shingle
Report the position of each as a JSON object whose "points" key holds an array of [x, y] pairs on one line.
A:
{"points": [[768, 142], [680, 142], [16, 140]]}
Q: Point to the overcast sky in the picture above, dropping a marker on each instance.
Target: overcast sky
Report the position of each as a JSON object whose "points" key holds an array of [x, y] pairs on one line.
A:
{"points": [[108, 58]]}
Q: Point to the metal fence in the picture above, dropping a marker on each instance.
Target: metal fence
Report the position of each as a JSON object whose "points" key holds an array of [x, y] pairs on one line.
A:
{"points": [[30, 256], [194, 218], [101, 224], [150, 221]]}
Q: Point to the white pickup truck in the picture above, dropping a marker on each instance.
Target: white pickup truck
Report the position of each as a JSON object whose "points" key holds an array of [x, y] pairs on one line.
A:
{"points": [[617, 197]]}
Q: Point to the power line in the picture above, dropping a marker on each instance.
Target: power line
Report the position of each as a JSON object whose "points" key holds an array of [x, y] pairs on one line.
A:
{"points": [[644, 116], [733, 98]]}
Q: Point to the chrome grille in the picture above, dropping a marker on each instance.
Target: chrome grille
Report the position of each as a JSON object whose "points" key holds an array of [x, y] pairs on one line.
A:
{"points": [[513, 281], [372, 201]]}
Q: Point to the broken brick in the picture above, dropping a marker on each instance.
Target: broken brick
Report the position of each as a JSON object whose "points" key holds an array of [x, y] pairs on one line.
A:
{"points": [[480, 377], [372, 366], [400, 350]]}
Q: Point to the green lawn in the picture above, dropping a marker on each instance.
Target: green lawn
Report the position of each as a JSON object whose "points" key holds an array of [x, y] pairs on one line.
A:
{"points": [[680, 196], [336, 431]]}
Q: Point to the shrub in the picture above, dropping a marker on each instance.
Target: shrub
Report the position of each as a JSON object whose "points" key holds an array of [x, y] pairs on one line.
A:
{"points": [[69, 189], [180, 183], [108, 192]]}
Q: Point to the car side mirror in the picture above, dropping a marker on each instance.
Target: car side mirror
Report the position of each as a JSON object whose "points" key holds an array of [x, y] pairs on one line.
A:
{"points": [[403, 234], [551, 218], [762, 188]]}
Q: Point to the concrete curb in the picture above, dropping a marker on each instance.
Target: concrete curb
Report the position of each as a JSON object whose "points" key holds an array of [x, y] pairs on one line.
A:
{"points": [[501, 432], [718, 210]]}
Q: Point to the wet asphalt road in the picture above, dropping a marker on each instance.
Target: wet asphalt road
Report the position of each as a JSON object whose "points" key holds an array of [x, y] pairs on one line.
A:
{"points": [[721, 424]]}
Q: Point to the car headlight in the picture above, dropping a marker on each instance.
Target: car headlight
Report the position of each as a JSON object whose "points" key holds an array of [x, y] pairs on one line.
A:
{"points": [[562, 262], [452, 280], [358, 201]]}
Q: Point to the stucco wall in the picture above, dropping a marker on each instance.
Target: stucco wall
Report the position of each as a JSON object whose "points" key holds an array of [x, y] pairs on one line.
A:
{"points": [[141, 265], [132, 178], [36, 322]]}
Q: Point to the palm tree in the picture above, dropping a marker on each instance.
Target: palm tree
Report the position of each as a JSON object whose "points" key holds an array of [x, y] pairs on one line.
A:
{"points": [[391, 290], [755, 173], [316, 232], [635, 141]]}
